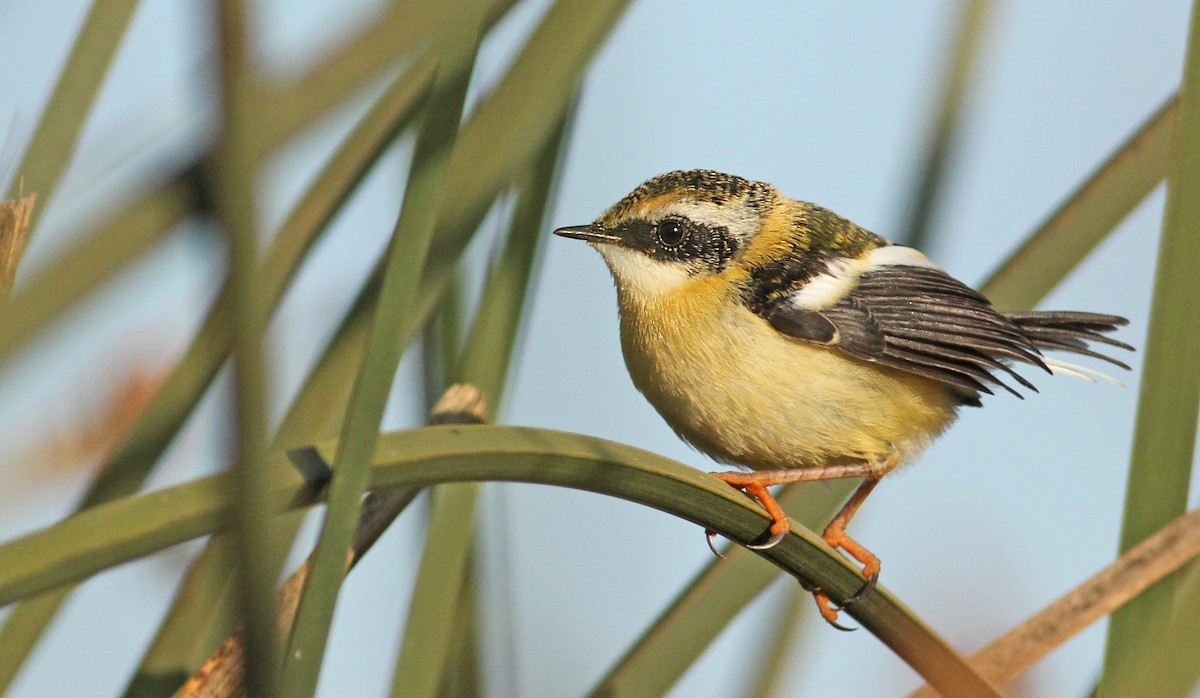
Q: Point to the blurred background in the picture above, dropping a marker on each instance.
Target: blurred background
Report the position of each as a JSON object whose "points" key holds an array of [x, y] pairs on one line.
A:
{"points": [[832, 103]]}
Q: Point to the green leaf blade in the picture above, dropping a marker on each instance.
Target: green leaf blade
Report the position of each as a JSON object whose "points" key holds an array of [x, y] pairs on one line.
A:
{"points": [[1165, 432]]}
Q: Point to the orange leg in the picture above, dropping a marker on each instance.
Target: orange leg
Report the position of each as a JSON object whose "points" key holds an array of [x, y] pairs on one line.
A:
{"points": [[755, 485], [835, 535]]}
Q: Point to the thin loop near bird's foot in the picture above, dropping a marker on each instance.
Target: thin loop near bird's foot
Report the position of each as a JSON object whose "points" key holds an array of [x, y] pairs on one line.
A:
{"points": [[711, 536]]}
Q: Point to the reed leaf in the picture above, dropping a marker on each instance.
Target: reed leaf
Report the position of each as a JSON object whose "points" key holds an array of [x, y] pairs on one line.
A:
{"points": [[136, 526], [1164, 437], [427, 641]]}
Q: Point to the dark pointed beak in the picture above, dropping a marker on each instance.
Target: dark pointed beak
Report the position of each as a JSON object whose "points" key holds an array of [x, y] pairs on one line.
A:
{"points": [[586, 232]]}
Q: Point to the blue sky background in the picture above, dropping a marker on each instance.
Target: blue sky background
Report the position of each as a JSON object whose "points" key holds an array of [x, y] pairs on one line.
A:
{"points": [[1014, 506]]}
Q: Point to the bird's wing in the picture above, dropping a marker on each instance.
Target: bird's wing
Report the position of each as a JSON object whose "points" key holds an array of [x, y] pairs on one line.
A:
{"points": [[909, 315]]}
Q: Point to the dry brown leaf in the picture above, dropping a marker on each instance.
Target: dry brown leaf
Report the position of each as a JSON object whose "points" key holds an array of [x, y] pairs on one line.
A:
{"points": [[15, 215], [86, 438], [1132, 573]]}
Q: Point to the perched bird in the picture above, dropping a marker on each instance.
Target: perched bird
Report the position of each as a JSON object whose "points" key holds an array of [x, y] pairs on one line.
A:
{"points": [[774, 334]]}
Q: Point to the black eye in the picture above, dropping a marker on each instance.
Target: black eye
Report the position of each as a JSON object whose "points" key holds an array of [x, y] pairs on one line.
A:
{"points": [[671, 232]]}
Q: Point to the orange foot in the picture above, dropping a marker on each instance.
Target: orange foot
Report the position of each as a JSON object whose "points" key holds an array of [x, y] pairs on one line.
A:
{"points": [[835, 536], [755, 485]]}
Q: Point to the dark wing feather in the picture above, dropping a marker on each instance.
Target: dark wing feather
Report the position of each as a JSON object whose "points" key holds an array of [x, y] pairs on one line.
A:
{"points": [[924, 321]]}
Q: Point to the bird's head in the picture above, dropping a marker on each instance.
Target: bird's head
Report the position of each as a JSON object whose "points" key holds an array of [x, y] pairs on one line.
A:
{"points": [[678, 226]]}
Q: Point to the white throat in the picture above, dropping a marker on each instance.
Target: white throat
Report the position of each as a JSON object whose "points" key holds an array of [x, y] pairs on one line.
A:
{"points": [[639, 273]]}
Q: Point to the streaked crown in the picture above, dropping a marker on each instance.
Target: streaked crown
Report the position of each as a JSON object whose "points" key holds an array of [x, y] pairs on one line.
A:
{"points": [[703, 193]]}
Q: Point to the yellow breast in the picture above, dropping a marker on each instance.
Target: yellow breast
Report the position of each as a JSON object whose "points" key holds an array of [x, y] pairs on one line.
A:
{"points": [[741, 392]]}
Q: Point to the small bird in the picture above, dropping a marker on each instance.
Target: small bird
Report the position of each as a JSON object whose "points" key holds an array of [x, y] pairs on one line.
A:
{"points": [[774, 334]]}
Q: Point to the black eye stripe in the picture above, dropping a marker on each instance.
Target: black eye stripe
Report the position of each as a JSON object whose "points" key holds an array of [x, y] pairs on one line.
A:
{"points": [[703, 248]]}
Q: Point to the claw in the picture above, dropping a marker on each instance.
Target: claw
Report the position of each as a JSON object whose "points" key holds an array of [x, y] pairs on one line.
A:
{"points": [[774, 540], [747, 483], [862, 591], [711, 535], [828, 611]]}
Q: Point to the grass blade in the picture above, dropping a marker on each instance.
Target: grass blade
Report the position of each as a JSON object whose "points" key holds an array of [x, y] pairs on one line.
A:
{"points": [[401, 30], [102, 253], [54, 141], [1180, 645], [427, 637], [1165, 433], [943, 130], [789, 618], [200, 616], [441, 341], [223, 673], [122, 237], [1088, 215], [401, 278], [504, 134], [427, 642], [234, 185], [487, 354], [464, 678], [391, 114]]}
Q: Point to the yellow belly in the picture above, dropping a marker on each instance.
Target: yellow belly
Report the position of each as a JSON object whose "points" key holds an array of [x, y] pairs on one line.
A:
{"points": [[741, 392]]}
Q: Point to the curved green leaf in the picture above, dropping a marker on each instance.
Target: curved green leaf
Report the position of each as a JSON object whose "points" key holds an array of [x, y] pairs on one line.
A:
{"points": [[123, 530]]}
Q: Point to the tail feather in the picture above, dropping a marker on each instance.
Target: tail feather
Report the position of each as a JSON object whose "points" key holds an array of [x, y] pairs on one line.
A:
{"points": [[1099, 321], [1085, 372], [1070, 331]]}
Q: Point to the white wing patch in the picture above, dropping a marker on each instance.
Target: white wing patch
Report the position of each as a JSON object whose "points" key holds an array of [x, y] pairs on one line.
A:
{"points": [[896, 254], [828, 288]]}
